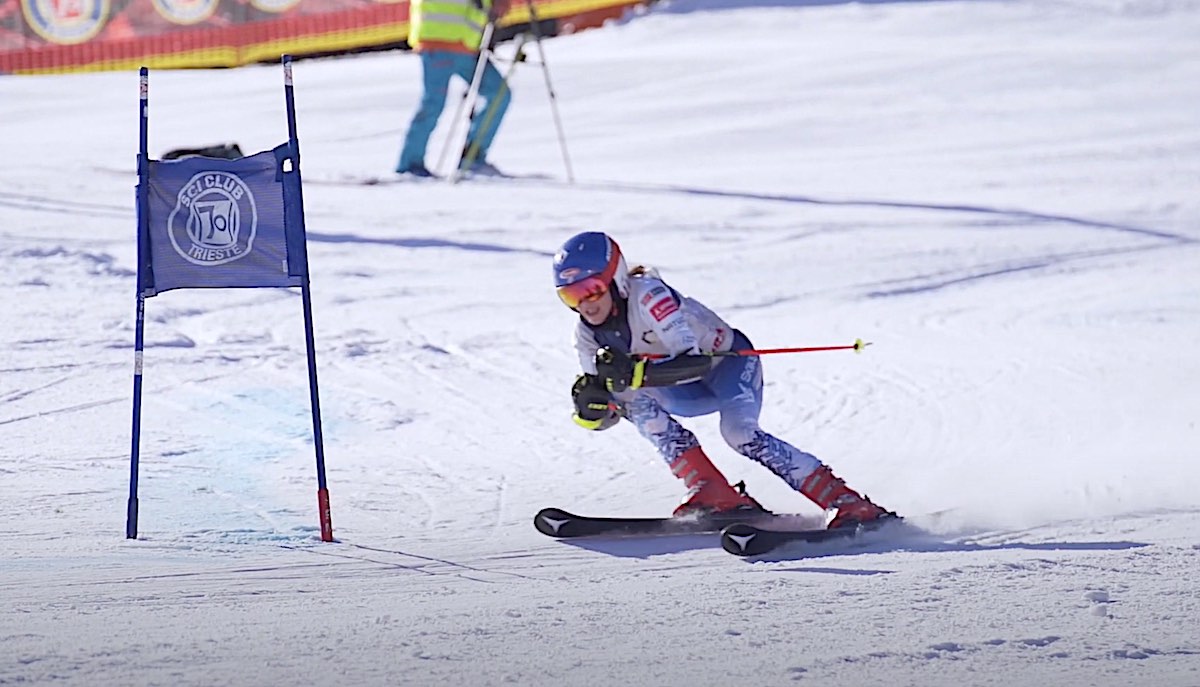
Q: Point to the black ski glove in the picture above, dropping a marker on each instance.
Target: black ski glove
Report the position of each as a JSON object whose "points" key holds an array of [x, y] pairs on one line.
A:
{"points": [[594, 407], [619, 371]]}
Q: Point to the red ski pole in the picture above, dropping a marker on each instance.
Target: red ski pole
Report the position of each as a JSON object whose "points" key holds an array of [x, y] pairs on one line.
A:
{"points": [[857, 347]]}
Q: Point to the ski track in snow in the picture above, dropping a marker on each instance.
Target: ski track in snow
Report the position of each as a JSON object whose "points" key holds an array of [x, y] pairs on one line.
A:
{"points": [[999, 196]]}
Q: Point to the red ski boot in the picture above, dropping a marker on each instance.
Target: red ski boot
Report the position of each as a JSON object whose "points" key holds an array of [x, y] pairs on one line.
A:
{"points": [[710, 491], [829, 492]]}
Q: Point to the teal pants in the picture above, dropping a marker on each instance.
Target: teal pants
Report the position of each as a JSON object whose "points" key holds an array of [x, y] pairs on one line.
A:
{"points": [[438, 67]]}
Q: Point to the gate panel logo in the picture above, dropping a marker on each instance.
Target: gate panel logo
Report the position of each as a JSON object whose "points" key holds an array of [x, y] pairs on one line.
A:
{"points": [[214, 220]]}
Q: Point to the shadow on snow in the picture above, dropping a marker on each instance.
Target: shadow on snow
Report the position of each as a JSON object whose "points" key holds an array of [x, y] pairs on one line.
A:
{"points": [[1011, 213], [319, 237], [919, 543], [646, 547]]}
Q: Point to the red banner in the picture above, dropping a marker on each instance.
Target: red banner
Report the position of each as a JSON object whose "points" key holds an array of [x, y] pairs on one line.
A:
{"points": [[39, 36]]}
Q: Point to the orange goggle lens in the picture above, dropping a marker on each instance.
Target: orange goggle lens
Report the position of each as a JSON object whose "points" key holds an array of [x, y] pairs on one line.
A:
{"points": [[589, 289]]}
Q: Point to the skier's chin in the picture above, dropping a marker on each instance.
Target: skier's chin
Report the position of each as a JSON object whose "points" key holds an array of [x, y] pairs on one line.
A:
{"points": [[595, 319]]}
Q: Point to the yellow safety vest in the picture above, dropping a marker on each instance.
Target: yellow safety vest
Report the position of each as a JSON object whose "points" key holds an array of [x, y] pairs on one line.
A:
{"points": [[454, 25]]}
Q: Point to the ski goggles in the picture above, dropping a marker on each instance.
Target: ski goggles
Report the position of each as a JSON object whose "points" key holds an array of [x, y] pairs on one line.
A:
{"points": [[590, 289]]}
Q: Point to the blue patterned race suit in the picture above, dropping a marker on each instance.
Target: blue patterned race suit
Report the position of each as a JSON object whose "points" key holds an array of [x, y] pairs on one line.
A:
{"points": [[661, 321], [734, 389]]}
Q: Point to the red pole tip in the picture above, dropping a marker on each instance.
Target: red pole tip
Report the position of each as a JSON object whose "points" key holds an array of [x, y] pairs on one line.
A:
{"points": [[326, 519]]}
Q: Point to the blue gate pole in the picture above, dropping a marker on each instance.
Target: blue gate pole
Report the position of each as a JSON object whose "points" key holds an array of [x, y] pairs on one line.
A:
{"points": [[306, 298], [142, 194]]}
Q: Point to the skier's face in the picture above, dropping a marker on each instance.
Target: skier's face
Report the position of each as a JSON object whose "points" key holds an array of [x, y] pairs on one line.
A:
{"points": [[596, 312]]}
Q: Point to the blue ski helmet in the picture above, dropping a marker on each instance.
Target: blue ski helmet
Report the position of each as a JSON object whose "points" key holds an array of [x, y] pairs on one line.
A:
{"points": [[587, 265]]}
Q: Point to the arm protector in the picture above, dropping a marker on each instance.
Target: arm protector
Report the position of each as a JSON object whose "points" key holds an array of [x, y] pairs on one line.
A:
{"points": [[619, 371], [673, 371]]}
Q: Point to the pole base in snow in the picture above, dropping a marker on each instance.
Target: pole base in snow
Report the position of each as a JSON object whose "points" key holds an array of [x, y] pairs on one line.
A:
{"points": [[131, 519]]}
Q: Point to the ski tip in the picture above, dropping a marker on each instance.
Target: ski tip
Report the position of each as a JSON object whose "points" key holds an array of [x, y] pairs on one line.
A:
{"points": [[742, 539], [550, 521], [738, 539]]}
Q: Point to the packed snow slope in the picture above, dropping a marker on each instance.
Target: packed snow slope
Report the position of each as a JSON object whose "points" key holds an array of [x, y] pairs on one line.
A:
{"points": [[1001, 196]]}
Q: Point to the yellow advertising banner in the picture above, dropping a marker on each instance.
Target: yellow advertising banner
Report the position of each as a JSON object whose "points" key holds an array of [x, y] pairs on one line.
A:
{"points": [[47, 36]]}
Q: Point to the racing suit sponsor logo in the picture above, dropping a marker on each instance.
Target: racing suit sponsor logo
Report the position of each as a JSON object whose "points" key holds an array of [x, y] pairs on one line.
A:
{"points": [[660, 310], [652, 293]]}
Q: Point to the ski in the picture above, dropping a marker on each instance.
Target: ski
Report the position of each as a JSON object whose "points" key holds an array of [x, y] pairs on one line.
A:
{"points": [[504, 176], [402, 179], [745, 539], [345, 180], [558, 523]]}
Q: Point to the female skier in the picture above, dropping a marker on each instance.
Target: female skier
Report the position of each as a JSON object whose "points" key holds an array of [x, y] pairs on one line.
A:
{"points": [[642, 346]]}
